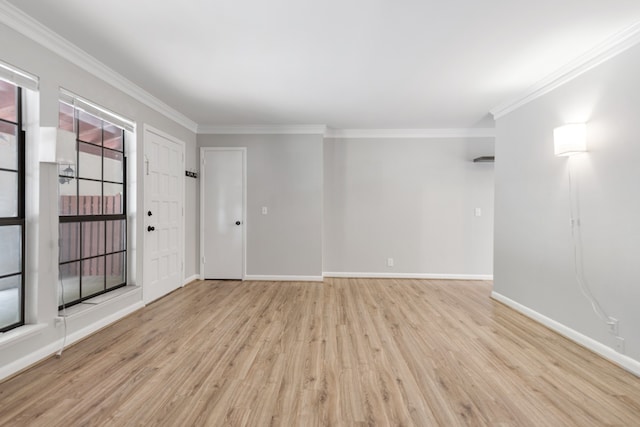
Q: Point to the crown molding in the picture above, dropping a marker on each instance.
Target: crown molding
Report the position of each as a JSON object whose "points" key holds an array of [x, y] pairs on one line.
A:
{"points": [[263, 130], [345, 133], [411, 133], [602, 52], [19, 21]]}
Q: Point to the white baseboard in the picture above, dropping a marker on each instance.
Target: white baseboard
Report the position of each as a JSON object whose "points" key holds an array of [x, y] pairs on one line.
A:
{"points": [[608, 353], [410, 276], [105, 321], [191, 279], [50, 349], [285, 278], [30, 359]]}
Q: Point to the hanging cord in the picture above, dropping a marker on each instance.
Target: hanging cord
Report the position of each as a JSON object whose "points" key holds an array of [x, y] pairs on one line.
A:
{"points": [[578, 259], [64, 318]]}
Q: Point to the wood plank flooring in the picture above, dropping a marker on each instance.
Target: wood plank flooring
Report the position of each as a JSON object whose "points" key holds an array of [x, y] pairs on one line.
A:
{"points": [[346, 352]]}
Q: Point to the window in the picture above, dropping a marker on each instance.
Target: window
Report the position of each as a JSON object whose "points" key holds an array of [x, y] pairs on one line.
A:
{"points": [[92, 207], [12, 207]]}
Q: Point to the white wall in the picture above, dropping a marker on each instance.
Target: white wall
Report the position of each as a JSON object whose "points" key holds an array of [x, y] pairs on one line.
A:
{"points": [[285, 175], [412, 200], [533, 251], [55, 72]]}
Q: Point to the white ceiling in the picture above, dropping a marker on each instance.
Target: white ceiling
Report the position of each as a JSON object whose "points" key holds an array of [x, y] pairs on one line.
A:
{"points": [[343, 63]]}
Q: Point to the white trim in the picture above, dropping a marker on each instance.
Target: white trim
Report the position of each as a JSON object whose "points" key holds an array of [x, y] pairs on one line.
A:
{"points": [[284, 278], [102, 322], [262, 130], [608, 353], [345, 133], [410, 276], [190, 279], [16, 19], [602, 52], [202, 176], [29, 360], [48, 350], [163, 134], [18, 77], [20, 333], [411, 133]]}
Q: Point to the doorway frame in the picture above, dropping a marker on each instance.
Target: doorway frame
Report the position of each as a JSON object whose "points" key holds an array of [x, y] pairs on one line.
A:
{"points": [[145, 207], [203, 182]]}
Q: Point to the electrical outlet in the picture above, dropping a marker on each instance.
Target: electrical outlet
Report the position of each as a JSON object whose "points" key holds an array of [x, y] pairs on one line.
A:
{"points": [[389, 262], [619, 345], [613, 326], [265, 210]]}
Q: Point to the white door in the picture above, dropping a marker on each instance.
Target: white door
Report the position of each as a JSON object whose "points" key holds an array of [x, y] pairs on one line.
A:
{"points": [[163, 214], [222, 195]]}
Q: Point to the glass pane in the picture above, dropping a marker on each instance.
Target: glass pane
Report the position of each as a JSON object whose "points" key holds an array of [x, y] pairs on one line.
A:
{"points": [[8, 194], [8, 101], [65, 117], [115, 270], [69, 286], [66, 173], [69, 242], [67, 155], [90, 198], [8, 146], [92, 276], [116, 236], [89, 128], [113, 198], [68, 204], [89, 161], [113, 166], [92, 238], [113, 137], [11, 249], [10, 300]]}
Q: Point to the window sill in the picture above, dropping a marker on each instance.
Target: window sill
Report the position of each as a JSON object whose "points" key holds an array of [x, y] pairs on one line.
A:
{"points": [[20, 333], [93, 303]]}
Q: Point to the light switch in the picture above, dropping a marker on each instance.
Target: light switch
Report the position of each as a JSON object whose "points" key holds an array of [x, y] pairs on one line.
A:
{"points": [[477, 212], [265, 210]]}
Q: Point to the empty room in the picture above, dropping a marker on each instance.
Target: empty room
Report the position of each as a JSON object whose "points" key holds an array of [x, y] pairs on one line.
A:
{"points": [[330, 213]]}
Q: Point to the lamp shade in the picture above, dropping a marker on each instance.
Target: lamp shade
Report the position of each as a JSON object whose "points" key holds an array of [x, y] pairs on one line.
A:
{"points": [[570, 139]]}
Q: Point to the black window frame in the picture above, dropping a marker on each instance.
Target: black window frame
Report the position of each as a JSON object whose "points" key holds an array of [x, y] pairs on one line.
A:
{"points": [[20, 219], [96, 218]]}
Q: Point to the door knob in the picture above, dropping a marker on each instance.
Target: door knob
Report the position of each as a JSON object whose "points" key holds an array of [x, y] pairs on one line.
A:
{"points": [[150, 228], [149, 213], [238, 223]]}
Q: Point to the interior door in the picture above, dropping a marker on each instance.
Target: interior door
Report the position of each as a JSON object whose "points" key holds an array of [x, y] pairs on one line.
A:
{"points": [[163, 214], [222, 195]]}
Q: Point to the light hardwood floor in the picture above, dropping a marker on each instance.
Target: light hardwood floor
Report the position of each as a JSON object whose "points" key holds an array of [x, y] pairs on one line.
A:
{"points": [[345, 352]]}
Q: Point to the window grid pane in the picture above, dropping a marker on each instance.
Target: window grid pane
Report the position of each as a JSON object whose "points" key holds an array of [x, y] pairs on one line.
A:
{"points": [[8, 101], [12, 198], [11, 301], [8, 146], [93, 249], [9, 199]]}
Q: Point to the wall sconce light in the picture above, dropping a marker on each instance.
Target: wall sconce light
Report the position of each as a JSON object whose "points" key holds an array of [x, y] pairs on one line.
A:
{"points": [[66, 174], [570, 139]]}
